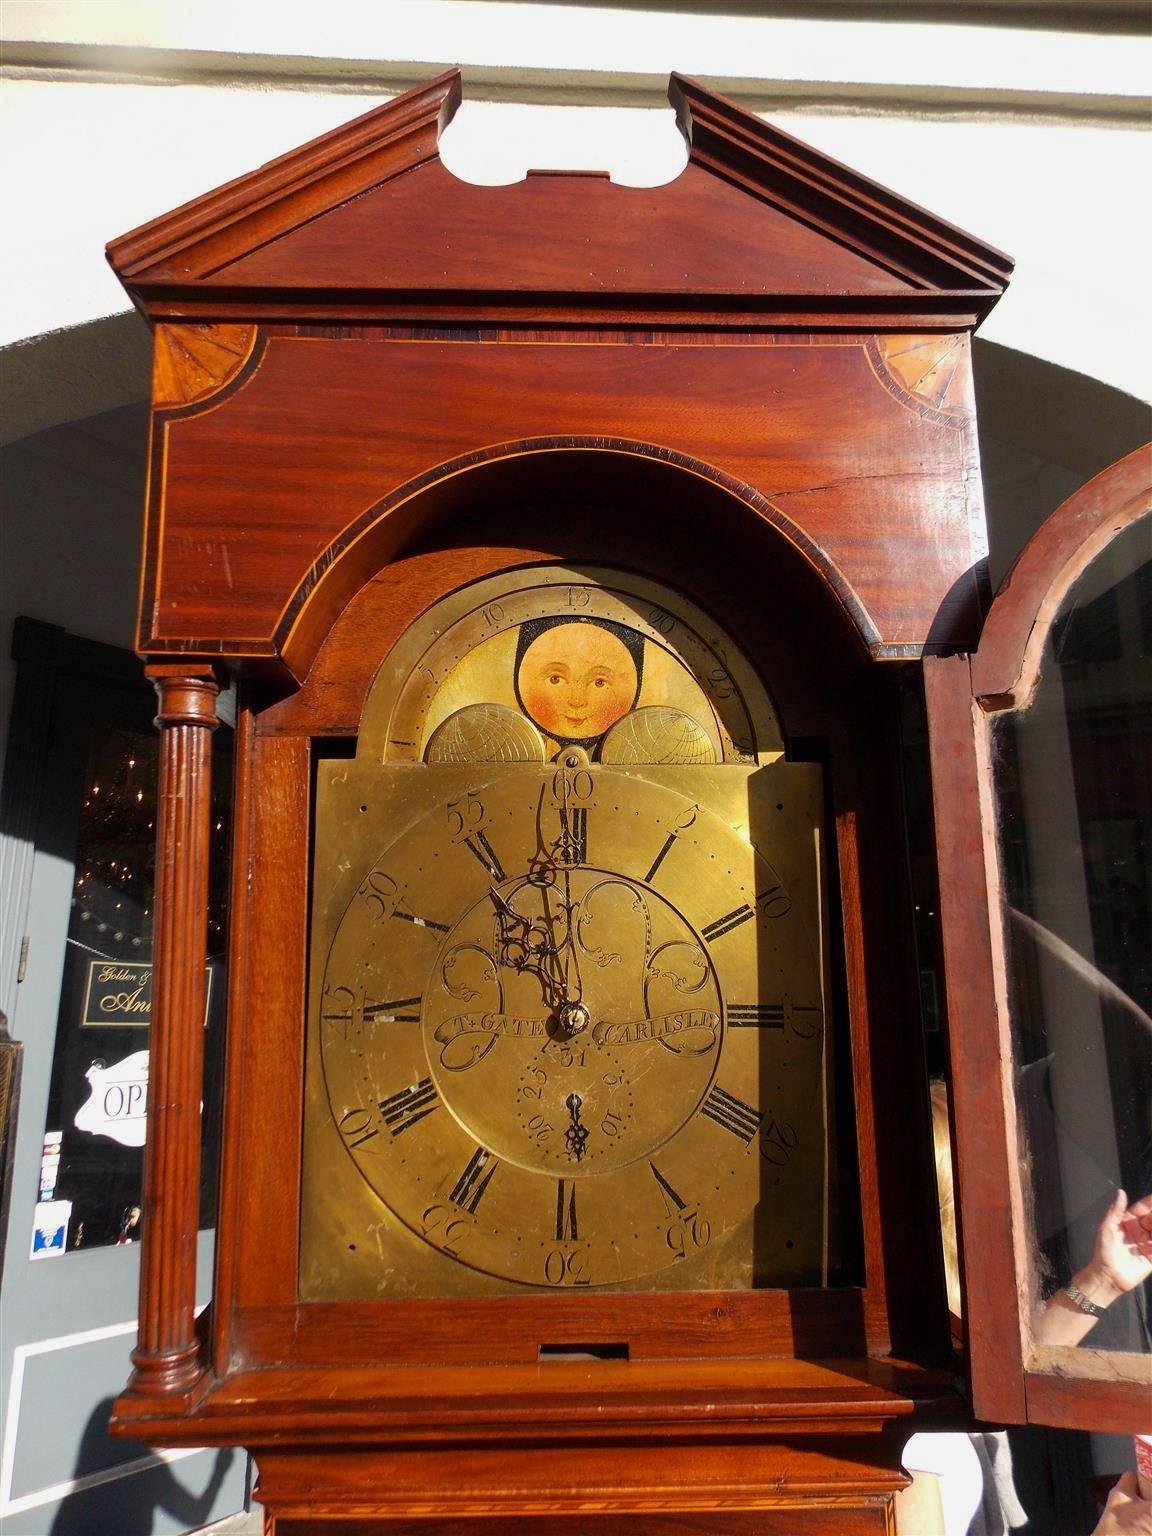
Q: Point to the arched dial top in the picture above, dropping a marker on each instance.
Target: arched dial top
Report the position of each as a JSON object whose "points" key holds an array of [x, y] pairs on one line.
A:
{"points": [[674, 685]]}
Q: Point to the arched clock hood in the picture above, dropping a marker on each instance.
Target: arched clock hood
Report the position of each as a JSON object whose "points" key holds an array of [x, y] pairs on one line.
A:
{"points": [[845, 417]]}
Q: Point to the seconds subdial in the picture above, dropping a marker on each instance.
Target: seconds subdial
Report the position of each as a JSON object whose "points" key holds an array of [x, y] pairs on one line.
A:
{"points": [[576, 1109]]}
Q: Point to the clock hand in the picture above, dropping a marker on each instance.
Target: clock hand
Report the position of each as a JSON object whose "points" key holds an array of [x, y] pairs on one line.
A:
{"points": [[529, 946], [557, 968], [576, 1135], [572, 1015], [573, 989]]}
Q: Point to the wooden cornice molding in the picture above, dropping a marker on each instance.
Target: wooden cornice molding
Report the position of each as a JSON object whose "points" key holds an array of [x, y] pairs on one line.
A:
{"points": [[860, 214], [266, 204], [366, 223]]}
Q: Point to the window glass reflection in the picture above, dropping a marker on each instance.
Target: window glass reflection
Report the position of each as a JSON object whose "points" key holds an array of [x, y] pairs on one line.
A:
{"points": [[1074, 779], [90, 1191]]}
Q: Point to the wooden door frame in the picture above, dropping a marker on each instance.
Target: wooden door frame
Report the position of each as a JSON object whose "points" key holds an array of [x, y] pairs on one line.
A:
{"points": [[964, 696]]}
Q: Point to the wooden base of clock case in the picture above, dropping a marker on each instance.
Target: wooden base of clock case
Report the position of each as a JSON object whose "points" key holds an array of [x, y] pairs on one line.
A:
{"points": [[727, 1490], [783, 1448]]}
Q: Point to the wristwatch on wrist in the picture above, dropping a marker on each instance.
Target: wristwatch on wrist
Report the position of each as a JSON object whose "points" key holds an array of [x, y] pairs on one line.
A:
{"points": [[1078, 1299]]}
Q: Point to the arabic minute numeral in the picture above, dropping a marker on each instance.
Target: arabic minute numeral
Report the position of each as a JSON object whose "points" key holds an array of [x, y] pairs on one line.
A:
{"points": [[337, 1005], [689, 1231], [686, 1228], [774, 902], [777, 1138], [444, 1226], [381, 894], [356, 1127], [807, 1020], [570, 787], [568, 1266], [337, 1010]]}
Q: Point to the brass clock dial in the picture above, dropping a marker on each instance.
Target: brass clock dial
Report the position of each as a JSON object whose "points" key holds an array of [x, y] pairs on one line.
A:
{"points": [[568, 1015]]}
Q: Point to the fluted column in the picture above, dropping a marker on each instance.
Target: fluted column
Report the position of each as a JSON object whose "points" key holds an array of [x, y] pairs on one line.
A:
{"points": [[166, 1353]]}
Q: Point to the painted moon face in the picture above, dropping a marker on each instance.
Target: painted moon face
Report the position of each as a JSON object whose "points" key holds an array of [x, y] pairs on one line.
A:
{"points": [[576, 680]]}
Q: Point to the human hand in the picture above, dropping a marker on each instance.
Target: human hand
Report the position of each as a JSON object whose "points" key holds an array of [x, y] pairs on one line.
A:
{"points": [[1125, 1513], [1122, 1258]]}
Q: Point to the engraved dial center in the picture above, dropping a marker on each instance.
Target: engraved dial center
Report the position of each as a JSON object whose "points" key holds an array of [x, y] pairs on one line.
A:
{"points": [[590, 1057]]}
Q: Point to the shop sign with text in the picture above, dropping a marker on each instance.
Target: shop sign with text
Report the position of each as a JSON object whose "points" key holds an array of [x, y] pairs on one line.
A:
{"points": [[119, 993]]}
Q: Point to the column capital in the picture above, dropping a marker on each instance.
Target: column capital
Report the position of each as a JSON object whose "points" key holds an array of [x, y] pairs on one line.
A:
{"points": [[187, 692]]}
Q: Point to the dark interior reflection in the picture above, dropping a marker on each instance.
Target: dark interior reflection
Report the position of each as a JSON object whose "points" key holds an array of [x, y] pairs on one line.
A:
{"points": [[1074, 777]]}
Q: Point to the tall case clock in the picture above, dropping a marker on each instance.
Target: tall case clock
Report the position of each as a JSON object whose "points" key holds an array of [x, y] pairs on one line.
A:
{"points": [[571, 545]]}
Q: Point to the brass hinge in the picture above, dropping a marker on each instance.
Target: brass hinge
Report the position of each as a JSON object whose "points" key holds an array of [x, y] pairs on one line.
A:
{"points": [[23, 966]]}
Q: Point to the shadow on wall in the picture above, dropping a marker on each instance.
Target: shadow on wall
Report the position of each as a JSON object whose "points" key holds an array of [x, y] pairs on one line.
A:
{"points": [[66, 376], [74, 435], [101, 1505], [1106, 16], [1044, 431]]}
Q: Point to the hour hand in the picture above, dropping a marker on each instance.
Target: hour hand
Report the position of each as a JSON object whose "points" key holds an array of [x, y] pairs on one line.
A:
{"points": [[522, 944], [513, 929]]}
